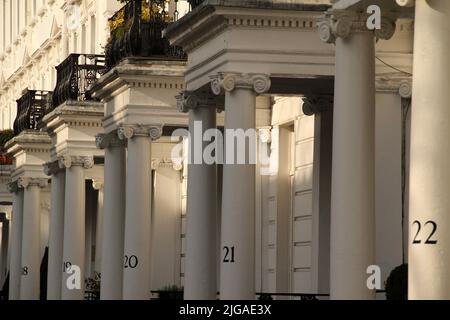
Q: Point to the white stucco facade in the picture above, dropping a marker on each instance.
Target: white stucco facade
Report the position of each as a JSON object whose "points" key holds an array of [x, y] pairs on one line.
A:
{"points": [[331, 104]]}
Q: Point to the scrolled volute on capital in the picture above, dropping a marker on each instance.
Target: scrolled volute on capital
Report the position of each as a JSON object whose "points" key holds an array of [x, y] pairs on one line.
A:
{"points": [[67, 162], [342, 24], [227, 82], [191, 100], [315, 104], [126, 132], [109, 140]]}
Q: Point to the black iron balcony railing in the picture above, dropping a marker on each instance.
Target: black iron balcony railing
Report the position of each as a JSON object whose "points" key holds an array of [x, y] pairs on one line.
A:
{"points": [[31, 108], [195, 3], [136, 31], [75, 75]]}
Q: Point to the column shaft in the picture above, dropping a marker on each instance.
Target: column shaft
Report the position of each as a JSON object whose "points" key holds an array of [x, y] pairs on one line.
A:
{"points": [[237, 273], [201, 255], [74, 231], [31, 258], [113, 224], [352, 203], [4, 252], [16, 246], [98, 233], [56, 237], [136, 274], [429, 257], [91, 220]]}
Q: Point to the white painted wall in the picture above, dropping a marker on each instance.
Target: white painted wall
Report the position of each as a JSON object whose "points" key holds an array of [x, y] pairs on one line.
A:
{"points": [[388, 183]]}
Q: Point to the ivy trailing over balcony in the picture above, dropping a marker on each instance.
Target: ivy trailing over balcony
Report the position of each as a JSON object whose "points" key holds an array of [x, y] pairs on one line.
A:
{"points": [[136, 31]]}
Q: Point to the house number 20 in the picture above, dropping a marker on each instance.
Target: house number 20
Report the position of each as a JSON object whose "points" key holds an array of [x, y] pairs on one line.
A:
{"points": [[430, 234]]}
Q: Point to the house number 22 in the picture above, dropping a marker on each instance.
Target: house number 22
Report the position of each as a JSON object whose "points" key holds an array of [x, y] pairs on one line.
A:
{"points": [[429, 240]]}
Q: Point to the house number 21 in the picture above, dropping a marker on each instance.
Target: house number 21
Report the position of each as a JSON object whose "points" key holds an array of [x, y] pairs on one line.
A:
{"points": [[228, 255]]}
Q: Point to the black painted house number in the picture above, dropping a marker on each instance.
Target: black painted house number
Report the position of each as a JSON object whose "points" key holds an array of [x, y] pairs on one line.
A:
{"points": [[229, 255], [131, 262], [430, 234]]}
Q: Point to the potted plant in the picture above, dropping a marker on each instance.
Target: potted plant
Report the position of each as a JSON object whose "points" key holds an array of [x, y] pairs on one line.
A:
{"points": [[5, 136], [171, 293]]}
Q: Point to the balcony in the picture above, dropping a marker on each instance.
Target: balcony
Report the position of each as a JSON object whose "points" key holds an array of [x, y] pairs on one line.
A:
{"points": [[195, 3], [31, 108], [75, 75], [136, 31]]}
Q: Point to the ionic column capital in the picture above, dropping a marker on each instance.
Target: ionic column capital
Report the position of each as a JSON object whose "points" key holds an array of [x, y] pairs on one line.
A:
{"points": [[175, 164], [406, 3], [265, 134], [98, 184], [228, 82], [405, 89], [130, 131], [402, 86], [109, 140], [52, 168], [67, 162], [14, 187], [314, 104], [342, 23], [25, 182], [190, 100]]}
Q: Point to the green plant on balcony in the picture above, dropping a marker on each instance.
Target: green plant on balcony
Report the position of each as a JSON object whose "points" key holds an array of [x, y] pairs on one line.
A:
{"points": [[118, 24], [136, 30], [5, 136]]}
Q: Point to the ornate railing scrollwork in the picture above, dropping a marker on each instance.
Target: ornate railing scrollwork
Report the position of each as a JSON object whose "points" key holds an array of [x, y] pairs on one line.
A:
{"points": [[195, 3], [31, 108], [75, 75], [136, 31]]}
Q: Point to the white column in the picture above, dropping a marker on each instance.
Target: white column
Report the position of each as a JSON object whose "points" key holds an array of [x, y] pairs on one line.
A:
{"points": [[114, 217], [429, 255], [31, 258], [201, 225], [237, 271], [56, 236], [8, 31], [353, 170], [321, 107], [91, 218], [136, 274], [4, 249], [23, 15], [74, 225], [98, 185], [16, 242], [2, 26], [64, 38]]}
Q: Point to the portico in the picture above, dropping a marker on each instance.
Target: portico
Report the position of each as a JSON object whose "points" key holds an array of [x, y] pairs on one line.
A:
{"points": [[229, 58]]}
